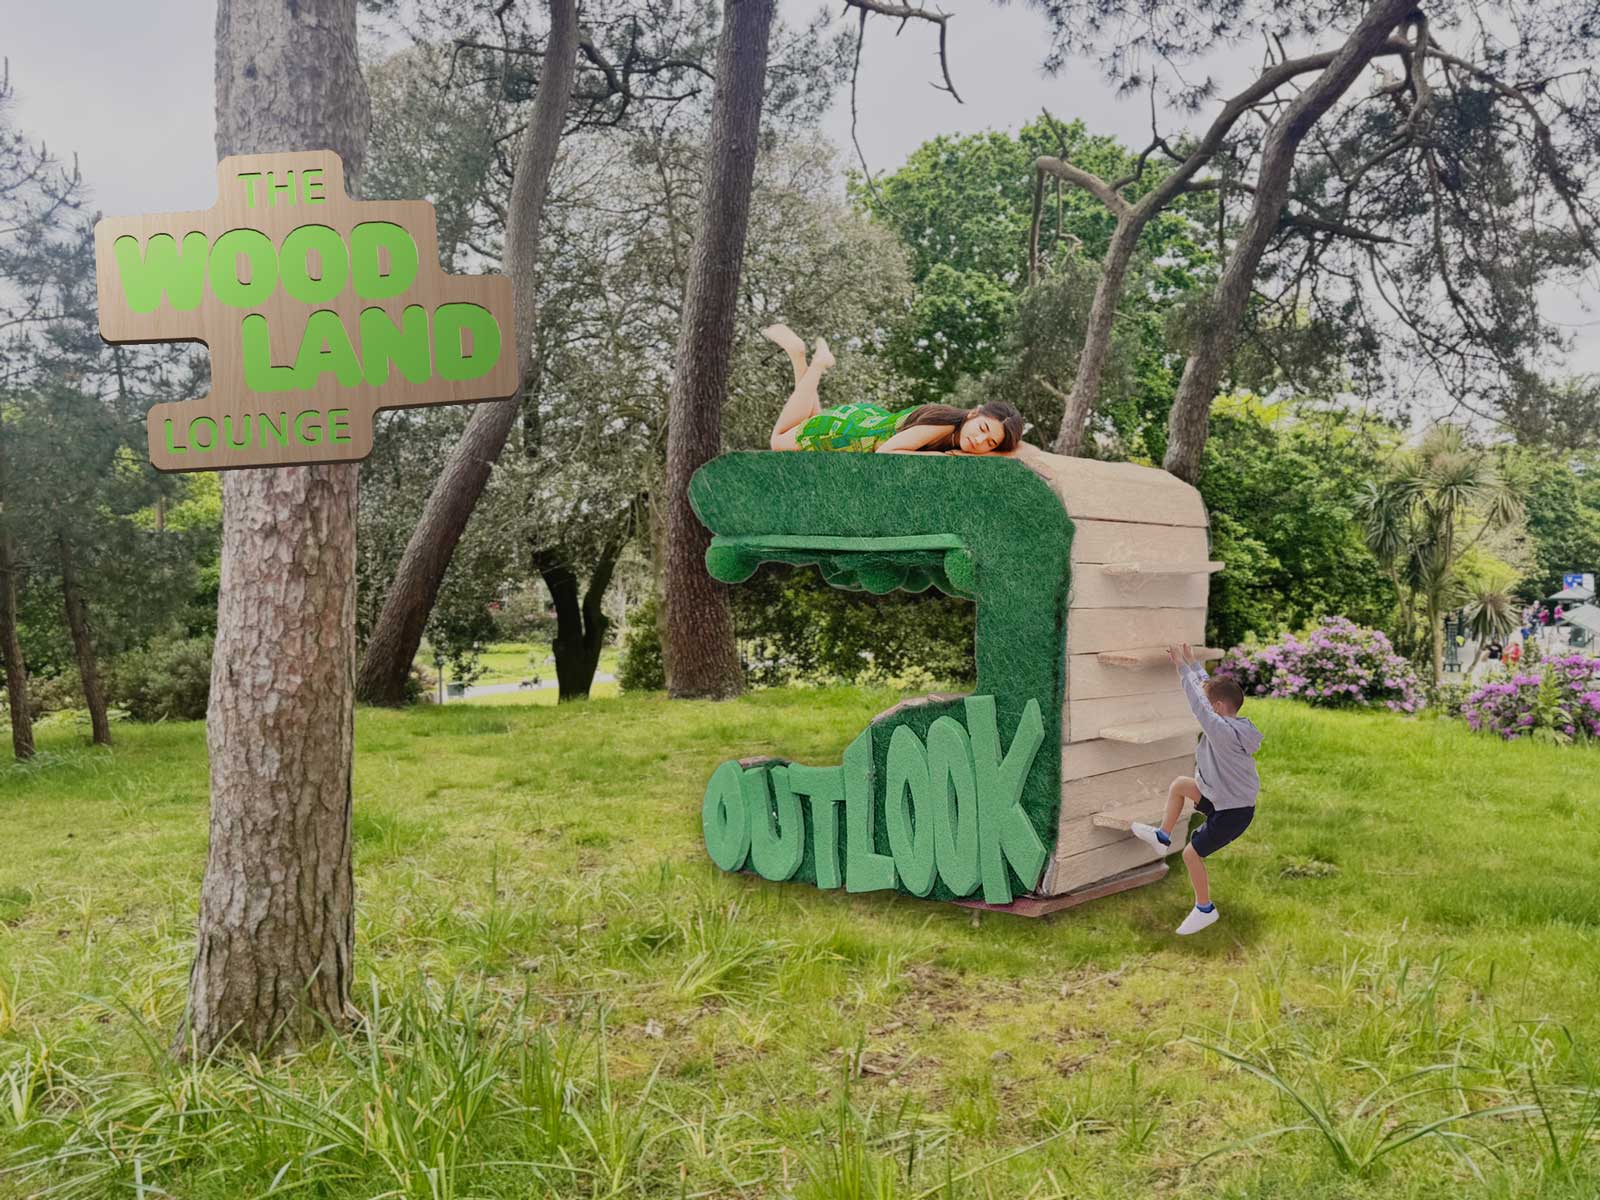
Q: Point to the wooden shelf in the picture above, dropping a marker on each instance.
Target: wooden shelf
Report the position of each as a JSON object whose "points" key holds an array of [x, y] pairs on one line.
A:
{"points": [[1149, 656], [1161, 568], [1142, 733]]}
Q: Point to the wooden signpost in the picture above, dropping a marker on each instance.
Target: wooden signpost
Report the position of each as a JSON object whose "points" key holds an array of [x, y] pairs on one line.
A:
{"points": [[318, 310]]}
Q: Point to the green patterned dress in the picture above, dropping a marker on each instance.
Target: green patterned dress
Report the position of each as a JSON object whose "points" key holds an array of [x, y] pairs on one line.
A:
{"points": [[860, 428]]}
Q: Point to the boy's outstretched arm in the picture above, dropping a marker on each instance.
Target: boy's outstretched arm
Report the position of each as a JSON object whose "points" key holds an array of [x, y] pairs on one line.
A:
{"points": [[1182, 657], [1193, 678]]}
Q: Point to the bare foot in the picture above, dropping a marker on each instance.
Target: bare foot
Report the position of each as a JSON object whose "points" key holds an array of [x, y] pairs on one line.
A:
{"points": [[822, 356], [792, 345], [785, 337]]}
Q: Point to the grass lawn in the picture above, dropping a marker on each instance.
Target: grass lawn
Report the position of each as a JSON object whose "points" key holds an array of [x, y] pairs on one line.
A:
{"points": [[563, 997]]}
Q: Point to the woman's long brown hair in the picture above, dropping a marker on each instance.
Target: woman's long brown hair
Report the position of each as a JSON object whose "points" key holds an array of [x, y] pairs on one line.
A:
{"points": [[953, 418]]}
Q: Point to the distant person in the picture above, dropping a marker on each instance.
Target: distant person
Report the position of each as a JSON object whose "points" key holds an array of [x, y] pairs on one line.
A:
{"points": [[1496, 650], [1514, 654], [1224, 786]]}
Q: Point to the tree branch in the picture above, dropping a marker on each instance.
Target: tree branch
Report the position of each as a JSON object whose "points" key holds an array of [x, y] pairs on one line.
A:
{"points": [[1087, 180], [904, 13], [855, 77], [1336, 228]]}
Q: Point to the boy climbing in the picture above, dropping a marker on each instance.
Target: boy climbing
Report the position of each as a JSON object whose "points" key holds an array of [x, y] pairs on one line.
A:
{"points": [[1224, 786]]}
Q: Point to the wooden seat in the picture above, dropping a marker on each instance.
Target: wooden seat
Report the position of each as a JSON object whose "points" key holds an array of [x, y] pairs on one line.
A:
{"points": [[1149, 656], [1142, 733], [1161, 568]]}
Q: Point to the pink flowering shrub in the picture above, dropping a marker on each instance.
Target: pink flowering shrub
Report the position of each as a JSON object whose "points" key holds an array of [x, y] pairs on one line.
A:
{"points": [[1336, 665], [1557, 699]]}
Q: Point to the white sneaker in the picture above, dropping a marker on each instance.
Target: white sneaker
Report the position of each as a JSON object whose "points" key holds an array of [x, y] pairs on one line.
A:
{"points": [[1197, 920], [1147, 835]]}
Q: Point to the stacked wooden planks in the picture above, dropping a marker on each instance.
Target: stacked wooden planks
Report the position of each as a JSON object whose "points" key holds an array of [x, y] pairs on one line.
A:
{"points": [[1140, 577]]}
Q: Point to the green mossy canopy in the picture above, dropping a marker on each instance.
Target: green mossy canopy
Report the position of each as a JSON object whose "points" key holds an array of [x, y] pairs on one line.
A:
{"points": [[987, 529], [880, 570]]}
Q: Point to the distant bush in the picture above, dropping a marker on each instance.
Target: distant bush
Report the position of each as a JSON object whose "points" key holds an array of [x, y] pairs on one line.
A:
{"points": [[524, 616], [1557, 700], [642, 668], [1446, 699], [167, 680], [793, 627], [421, 685], [58, 693], [1338, 664]]}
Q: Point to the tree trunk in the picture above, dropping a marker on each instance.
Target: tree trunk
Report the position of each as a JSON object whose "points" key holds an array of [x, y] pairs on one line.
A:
{"points": [[1406, 641], [701, 658], [1191, 409], [415, 588], [1436, 628], [94, 695], [581, 623], [397, 633], [11, 651], [1097, 338], [273, 959]]}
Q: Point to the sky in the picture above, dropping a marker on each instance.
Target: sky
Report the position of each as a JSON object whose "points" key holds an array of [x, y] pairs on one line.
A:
{"points": [[127, 87]]}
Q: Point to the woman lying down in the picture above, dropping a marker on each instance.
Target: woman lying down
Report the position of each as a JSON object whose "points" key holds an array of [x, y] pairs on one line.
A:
{"points": [[993, 428]]}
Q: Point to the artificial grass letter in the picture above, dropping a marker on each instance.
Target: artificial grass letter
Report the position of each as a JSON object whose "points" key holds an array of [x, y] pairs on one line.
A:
{"points": [[1004, 831], [163, 271], [260, 375], [910, 833], [824, 786], [226, 251], [369, 242], [405, 345], [326, 347], [955, 805], [294, 264], [775, 853], [722, 817], [451, 359], [865, 870]]}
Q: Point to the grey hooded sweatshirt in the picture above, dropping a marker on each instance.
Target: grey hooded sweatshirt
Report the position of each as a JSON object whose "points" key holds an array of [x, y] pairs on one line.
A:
{"points": [[1224, 762]]}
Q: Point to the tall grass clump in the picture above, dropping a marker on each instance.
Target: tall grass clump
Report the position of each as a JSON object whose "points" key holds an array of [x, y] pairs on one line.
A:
{"points": [[440, 1093], [1401, 1057]]}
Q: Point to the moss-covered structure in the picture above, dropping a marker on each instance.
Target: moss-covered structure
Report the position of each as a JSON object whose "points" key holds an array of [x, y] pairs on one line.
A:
{"points": [[967, 803]]}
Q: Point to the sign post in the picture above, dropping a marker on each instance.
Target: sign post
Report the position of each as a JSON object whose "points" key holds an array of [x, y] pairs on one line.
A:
{"points": [[318, 310]]}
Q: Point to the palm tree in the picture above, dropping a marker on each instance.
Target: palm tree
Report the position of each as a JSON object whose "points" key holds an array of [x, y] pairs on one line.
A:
{"points": [[1436, 503], [1491, 616]]}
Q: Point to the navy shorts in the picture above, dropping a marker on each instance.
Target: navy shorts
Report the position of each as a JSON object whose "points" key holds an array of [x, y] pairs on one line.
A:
{"points": [[1220, 828]]}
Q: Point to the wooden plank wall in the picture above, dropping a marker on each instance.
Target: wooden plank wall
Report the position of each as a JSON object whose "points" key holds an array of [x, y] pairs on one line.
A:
{"points": [[1123, 514]]}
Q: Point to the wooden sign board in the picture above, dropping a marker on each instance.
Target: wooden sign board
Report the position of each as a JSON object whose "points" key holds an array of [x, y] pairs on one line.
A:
{"points": [[318, 310]]}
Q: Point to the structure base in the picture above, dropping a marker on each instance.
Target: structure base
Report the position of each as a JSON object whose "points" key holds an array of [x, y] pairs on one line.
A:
{"points": [[1043, 906]]}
